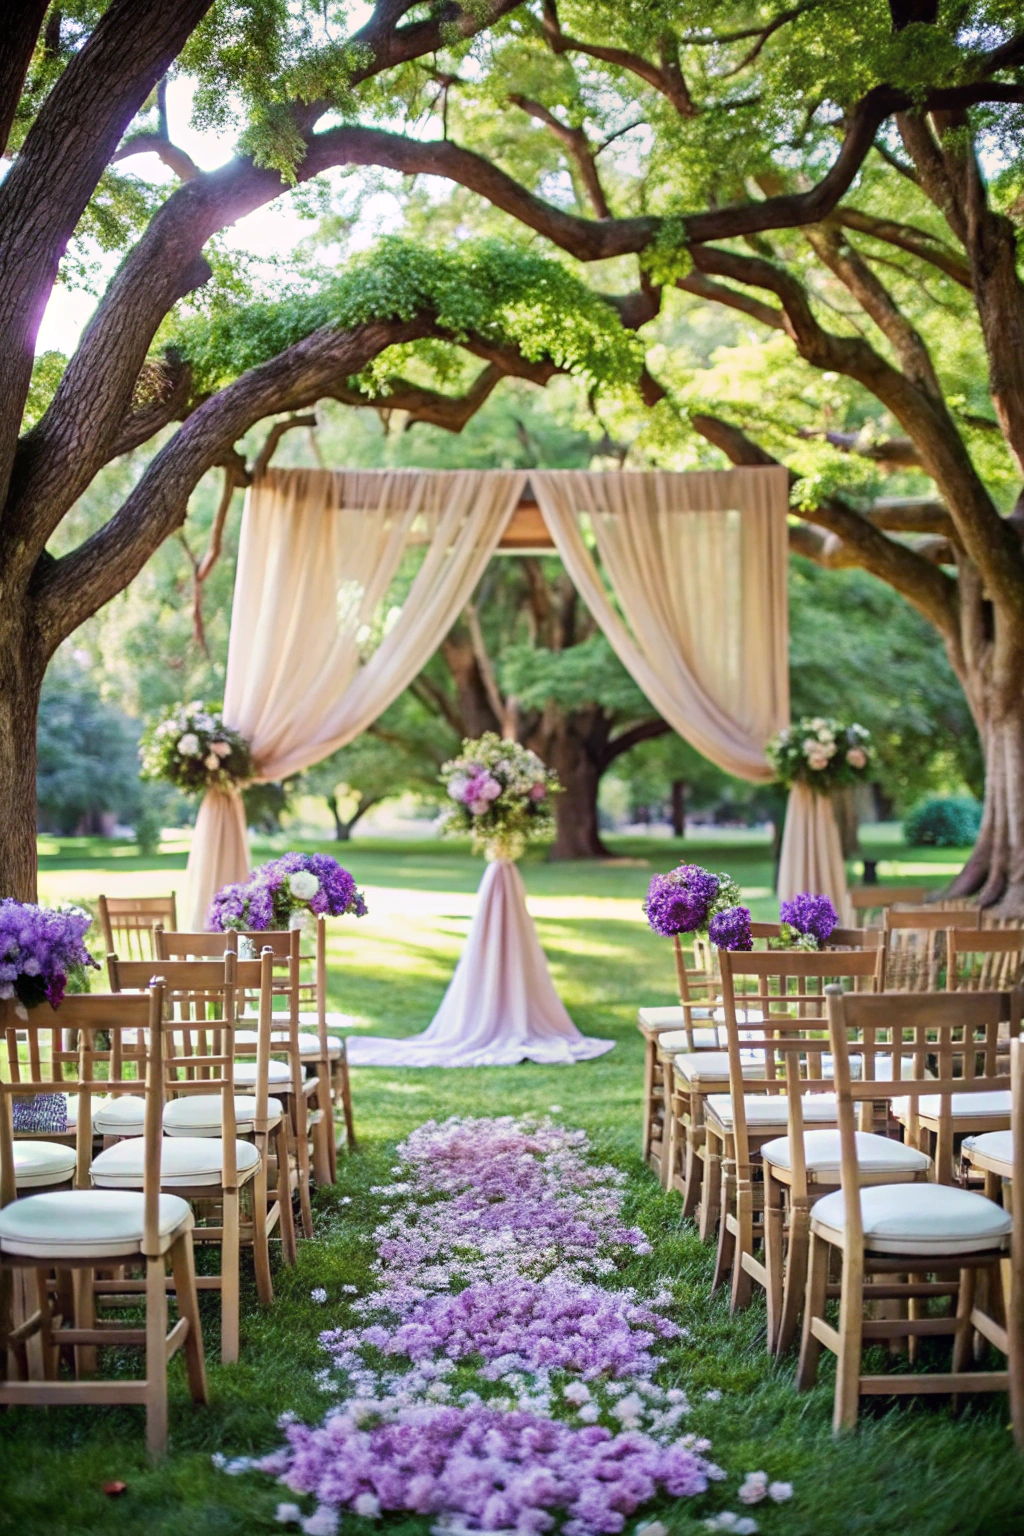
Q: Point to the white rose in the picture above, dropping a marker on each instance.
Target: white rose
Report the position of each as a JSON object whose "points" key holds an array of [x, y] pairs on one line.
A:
{"points": [[222, 748], [188, 745], [212, 762], [303, 884]]}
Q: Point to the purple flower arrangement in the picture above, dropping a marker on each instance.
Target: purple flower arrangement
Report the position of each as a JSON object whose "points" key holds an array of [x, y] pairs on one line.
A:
{"points": [[687, 898], [731, 929], [279, 894], [496, 1381], [809, 920], [500, 794], [42, 952]]}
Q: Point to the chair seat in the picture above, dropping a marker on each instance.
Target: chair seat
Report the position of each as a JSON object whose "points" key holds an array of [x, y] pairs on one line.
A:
{"points": [[309, 1045], [38, 1164], [875, 1154], [713, 1067], [674, 1017], [123, 1114], [184, 1161], [87, 1223], [992, 1150], [771, 1109], [279, 1073], [916, 1219], [965, 1106], [199, 1114], [673, 1040]]}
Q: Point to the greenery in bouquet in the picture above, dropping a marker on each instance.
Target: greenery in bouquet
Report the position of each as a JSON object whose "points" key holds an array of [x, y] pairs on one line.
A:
{"points": [[190, 747], [687, 898], [807, 922], [281, 893], [500, 793], [42, 952], [825, 754]]}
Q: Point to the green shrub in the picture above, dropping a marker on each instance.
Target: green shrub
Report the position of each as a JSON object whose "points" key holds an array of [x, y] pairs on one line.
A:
{"points": [[149, 824], [948, 821]]}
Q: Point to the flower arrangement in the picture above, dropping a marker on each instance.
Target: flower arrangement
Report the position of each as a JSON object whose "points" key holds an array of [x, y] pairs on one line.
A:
{"points": [[825, 754], [190, 747], [42, 953], [731, 929], [807, 922], [281, 894], [687, 898], [500, 793]]}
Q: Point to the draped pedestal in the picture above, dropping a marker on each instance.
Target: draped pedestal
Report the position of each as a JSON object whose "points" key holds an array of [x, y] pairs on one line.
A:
{"points": [[501, 1006], [811, 858]]}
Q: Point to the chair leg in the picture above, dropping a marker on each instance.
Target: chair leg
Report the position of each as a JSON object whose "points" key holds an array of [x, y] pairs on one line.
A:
{"points": [[260, 1240], [156, 1358], [711, 1195], [962, 1339], [851, 1344], [346, 1103], [726, 1235], [46, 1340], [85, 1317], [742, 1283], [183, 1268], [645, 1133], [774, 1255], [817, 1286], [693, 1174], [284, 1193], [229, 1279], [794, 1282], [323, 1131]]}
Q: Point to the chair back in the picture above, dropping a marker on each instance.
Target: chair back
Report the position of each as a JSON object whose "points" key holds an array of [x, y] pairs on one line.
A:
{"points": [[914, 948], [133, 1058], [780, 1020], [199, 1033], [169, 944], [984, 960], [699, 988], [128, 922], [959, 1033], [855, 938], [874, 899]]}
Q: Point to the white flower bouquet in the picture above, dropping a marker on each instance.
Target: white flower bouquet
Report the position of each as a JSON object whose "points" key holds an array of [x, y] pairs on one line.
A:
{"points": [[500, 793], [825, 754], [190, 747]]}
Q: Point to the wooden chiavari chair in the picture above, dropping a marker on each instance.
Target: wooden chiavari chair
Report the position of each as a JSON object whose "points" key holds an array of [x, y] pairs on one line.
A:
{"points": [[84, 1229], [786, 998], [941, 1236], [128, 922], [989, 960], [914, 946], [217, 1142]]}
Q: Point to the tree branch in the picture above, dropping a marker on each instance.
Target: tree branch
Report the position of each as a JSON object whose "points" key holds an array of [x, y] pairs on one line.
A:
{"points": [[646, 730], [667, 81], [21, 29], [578, 147], [917, 242], [147, 142]]}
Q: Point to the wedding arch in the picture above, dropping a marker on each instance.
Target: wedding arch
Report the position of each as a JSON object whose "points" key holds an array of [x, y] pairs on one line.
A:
{"points": [[689, 587]]}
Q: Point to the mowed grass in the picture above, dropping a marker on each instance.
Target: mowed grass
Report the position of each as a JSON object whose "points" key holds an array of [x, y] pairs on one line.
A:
{"points": [[913, 1468]]}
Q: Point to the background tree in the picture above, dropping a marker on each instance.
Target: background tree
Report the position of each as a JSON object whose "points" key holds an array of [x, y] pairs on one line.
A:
{"points": [[88, 756], [81, 95]]}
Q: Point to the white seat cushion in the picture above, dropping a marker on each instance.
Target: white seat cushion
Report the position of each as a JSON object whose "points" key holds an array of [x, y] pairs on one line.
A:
{"points": [[123, 1114], [38, 1164], [996, 1147], [199, 1114], [671, 1018], [917, 1219], [772, 1109], [713, 1066], [184, 1161], [966, 1106], [278, 1072], [678, 1040], [76, 1223], [875, 1154], [309, 1045]]}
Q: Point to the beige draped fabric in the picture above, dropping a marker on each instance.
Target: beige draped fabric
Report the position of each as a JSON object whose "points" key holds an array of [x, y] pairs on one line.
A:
{"points": [[317, 555], [698, 564], [811, 857]]}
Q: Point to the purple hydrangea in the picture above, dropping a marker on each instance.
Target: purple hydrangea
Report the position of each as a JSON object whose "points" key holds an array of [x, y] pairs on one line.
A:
{"points": [[812, 914], [40, 948], [681, 901], [270, 895], [731, 929]]}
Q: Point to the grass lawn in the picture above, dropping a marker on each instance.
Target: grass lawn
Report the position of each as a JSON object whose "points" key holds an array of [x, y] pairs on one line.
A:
{"points": [[912, 1469]]}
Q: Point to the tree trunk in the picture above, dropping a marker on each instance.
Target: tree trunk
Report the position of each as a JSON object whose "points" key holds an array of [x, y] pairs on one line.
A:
{"points": [[678, 807], [995, 870], [21, 678], [342, 831], [577, 835]]}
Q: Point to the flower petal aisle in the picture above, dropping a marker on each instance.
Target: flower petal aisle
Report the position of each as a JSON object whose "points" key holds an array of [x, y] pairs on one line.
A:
{"points": [[499, 1378]]}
